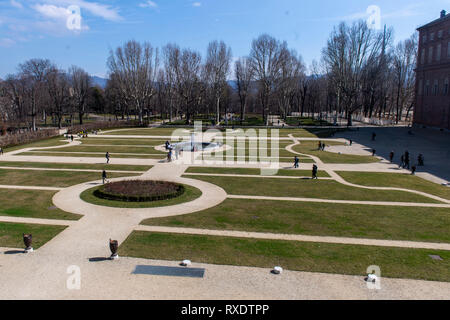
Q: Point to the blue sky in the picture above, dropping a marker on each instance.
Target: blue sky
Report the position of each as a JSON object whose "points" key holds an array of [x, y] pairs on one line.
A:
{"points": [[38, 28]]}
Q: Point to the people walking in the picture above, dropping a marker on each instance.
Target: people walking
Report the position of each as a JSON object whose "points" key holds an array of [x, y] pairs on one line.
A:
{"points": [[296, 162], [351, 142], [402, 161], [374, 135], [104, 176], [413, 170], [373, 152], [420, 160], [314, 171], [391, 156], [407, 159], [107, 156], [320, 145]]}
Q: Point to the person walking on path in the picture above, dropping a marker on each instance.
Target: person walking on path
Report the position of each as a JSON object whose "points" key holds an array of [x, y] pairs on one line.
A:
{"points": [[351, 142], [107, 157], [391, 156], [402, 161], [407, 159], [373, 152], [296, 161], [420, 160], [314, 172], [374, 135], [1, 151], [71, 137], [169, 156], [104, 176], [320, 145], [413, 170]]}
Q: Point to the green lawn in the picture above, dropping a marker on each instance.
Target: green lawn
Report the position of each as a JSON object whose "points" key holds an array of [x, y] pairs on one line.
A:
{"points": [[91, 155], [80, 166], [32, 204], [251, 171], [122, 142], [189, 194], [319, 219], [11, 234], [321, 189], [310, 147], [56, 141], [397, 180], [60, 179], [291, 255], [148, 132], [111, 150]]}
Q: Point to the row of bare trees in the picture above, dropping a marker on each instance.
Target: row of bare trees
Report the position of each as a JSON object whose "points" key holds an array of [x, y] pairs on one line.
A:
{"points": [[39, 88], [360, 73]]}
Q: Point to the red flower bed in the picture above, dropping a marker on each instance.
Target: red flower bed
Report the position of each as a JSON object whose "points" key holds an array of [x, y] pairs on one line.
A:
{"points": [[139, 191]]}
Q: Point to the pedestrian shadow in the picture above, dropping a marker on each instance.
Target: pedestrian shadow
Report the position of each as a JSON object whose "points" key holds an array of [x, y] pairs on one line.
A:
{"points": [[94, 183], [13, 252], [98, 259]]}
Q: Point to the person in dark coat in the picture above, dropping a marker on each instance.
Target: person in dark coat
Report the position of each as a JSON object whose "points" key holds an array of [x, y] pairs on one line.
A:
{"points": [[314, 172], [391, 156], [104, 176], [296, 162]]}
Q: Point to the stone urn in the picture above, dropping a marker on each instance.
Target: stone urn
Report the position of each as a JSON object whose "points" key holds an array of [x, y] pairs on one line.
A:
{"points": [[27, 240], [113, 246]]}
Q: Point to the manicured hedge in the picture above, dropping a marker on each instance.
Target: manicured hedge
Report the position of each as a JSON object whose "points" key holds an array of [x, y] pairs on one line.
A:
{"points": [[129, 192]]}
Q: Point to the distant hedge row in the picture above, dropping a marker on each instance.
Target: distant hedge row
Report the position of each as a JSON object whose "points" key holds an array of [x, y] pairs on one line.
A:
{"points": [[24, 137]]}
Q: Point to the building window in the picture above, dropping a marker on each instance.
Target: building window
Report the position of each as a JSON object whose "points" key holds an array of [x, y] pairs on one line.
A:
{"points": [[432, 36], [435, 87], [440, 34], [430, 55], [438, 52], [427, 88], [424, 38], [445, 91], [420, 87], [422, 55]]}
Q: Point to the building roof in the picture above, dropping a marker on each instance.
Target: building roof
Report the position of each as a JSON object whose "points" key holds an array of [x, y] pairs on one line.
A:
{"points": [[435, 22]]}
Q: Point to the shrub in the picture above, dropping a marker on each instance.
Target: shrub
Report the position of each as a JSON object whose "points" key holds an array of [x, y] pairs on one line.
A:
{"points": [[139, 191]]}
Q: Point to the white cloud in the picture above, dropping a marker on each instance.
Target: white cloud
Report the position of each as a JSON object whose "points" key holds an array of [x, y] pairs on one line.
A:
{"points": [[7, 42], [16, 4], [148, 4], [97, 9], [197, 4], [51, 11]]}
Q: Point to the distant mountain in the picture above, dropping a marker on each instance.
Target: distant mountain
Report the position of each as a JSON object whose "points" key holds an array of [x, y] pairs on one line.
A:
{"points": [[97, 81]]}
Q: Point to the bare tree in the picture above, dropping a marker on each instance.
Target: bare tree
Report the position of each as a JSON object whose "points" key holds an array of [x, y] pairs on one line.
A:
{"points": [[58, 86], [265, 58], [135, 66], [244, 75], [217, 68], [81, 82], [404, 62], [35, 71], [349, 50]]}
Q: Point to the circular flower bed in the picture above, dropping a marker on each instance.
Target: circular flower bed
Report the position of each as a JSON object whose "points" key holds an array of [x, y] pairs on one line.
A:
{"points": [[139, 191]]}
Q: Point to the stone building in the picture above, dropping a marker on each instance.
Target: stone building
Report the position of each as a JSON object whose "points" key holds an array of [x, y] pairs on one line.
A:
{"points": [[432, 106]]}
